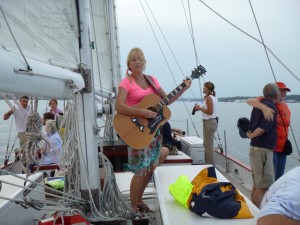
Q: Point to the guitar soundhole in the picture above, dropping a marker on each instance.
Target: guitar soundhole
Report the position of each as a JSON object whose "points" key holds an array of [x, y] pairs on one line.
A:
{"points": [[153, 109]]}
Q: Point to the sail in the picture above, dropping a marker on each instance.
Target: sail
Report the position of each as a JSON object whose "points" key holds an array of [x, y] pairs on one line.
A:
{"points": [[45, 30], [46, 34], [106, 65]]}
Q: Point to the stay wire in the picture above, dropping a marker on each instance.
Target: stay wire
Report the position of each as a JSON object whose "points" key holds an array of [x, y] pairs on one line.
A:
{"points": [[273, 54], [295, 141], [8, 152], [191, 29], [156, 38], [28, 67], [262, 41], [163, 51]]}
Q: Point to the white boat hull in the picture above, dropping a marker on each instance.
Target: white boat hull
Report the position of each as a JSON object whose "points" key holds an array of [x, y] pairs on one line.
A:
{"points": [[12, 213]]}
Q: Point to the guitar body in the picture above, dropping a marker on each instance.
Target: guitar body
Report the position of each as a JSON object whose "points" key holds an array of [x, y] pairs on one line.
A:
{"points": [[138, 132]]}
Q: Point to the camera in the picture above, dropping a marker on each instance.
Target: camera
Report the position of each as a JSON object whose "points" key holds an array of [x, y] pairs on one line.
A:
{"points": [[194, 110]]}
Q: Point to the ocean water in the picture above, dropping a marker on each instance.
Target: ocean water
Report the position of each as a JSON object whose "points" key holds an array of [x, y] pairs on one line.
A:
{"points": [[229, 113], [181, 118], [8, 134]]}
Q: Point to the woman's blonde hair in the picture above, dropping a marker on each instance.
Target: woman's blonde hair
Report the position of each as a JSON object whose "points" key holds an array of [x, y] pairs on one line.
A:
{"points": [[134, 52], [52, 125]]}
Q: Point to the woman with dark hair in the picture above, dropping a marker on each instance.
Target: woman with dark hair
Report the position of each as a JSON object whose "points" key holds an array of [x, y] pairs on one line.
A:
{"points": [[209, 118], [53, 105]]}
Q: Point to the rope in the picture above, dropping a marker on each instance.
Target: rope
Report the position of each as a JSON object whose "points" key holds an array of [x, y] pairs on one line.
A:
{"points": [[59, 194], [112, 202], [70, 164], [34, 138]]}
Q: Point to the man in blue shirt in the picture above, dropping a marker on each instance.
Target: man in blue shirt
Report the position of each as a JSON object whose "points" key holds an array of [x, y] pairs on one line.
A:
{"points": [[281, 203], [263, 139]]}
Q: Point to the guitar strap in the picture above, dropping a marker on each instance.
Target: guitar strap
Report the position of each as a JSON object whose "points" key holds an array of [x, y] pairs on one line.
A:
{"points": [[150, 81]]}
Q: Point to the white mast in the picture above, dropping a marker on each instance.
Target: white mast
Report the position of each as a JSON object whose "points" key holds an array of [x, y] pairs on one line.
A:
{"points": [[86, 112]]}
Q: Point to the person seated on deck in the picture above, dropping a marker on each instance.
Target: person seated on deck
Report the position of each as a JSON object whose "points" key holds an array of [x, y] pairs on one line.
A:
{"points": [[58, 118], [51, 154], [169, 141], [48, 116], [281, 203]]}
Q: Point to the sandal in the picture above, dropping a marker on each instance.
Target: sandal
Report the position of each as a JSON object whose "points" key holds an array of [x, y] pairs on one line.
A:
{"points": [[144, 209]]}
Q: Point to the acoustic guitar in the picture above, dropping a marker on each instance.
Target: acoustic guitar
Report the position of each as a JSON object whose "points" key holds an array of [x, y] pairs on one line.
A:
{"points": [[138, 132]]}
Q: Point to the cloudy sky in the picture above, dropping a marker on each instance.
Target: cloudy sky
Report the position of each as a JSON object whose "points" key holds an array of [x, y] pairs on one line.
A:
{"points": [[236, 63]]}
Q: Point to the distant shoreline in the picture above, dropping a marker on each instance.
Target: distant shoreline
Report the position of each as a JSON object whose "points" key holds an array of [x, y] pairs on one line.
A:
{"points": [[288, 99]]}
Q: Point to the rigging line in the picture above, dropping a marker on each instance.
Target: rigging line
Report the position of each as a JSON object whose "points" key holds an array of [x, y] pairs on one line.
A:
{"points": [[166, 41], [78, 150], [170, 49], [295, 140], [42, 192], [291, 72], [164, 56], [163, 52], [191, 27], [28, 67], [262, 40], [69, 196], [8, 153]]}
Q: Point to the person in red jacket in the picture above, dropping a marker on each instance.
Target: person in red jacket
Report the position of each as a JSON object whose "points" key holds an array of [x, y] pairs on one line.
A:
{"points": [[282, 129]]}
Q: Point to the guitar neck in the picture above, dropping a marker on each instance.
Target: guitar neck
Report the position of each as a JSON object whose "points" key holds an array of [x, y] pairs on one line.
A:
{"points": [[169, 97], [196, 73]]}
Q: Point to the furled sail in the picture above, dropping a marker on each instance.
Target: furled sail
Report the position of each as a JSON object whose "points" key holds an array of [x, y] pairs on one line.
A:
{"points": [[106, 66]]}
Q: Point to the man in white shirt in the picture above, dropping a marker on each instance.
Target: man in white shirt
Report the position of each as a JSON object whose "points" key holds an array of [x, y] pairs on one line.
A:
{"points": [[281, 203], [20, 114]]}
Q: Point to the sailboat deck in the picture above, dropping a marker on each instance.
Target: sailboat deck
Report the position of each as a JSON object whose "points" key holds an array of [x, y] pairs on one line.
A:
{"points": [[169, 212]]}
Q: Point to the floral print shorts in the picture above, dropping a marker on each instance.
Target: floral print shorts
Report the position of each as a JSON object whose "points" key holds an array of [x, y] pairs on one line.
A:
{"points": [[140, 160]]}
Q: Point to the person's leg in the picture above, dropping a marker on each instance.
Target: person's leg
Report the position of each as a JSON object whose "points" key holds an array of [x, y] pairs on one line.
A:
{"points": [[263, 169], [164, 152], [275, 163], [178, 145], [209, 128], [145, 182], [258, 196], [135, 190], [256, 168], [281, 161]]}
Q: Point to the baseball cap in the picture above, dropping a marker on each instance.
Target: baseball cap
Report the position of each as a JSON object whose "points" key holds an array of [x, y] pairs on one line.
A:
{"points": [[244, 126], [282, 85]]}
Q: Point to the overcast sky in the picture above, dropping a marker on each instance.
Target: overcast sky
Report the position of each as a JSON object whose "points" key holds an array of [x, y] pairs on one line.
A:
{"points": [[235, 63]]}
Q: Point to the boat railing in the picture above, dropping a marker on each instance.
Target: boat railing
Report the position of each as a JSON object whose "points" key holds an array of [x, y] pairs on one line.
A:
{"points": [[234, 146]]}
